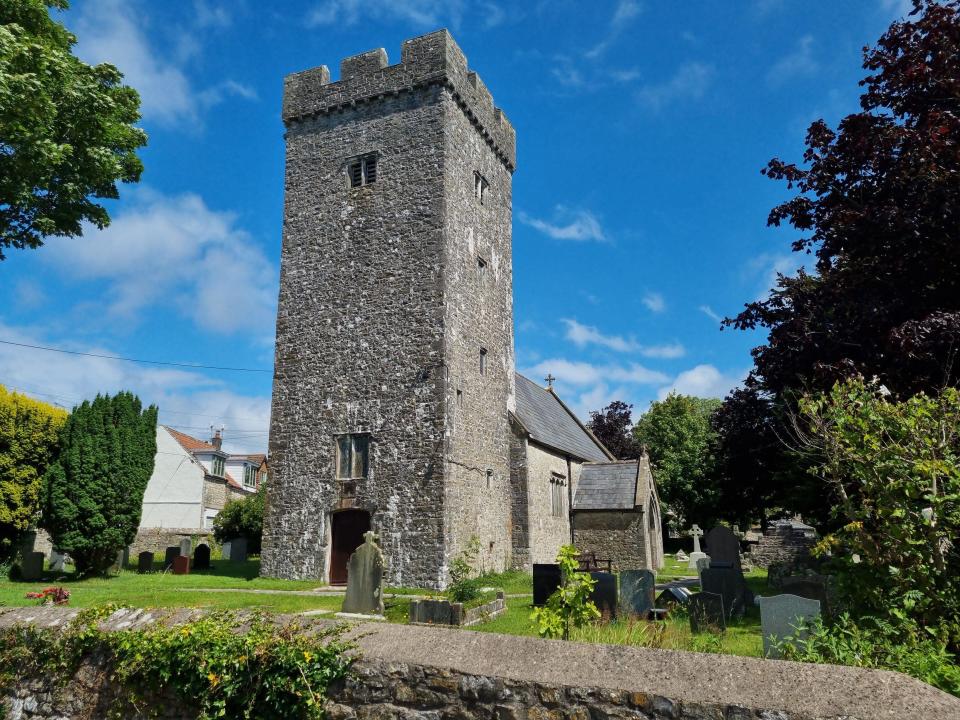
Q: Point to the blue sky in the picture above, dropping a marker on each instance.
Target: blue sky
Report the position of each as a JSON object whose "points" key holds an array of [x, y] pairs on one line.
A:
{"points": [[639, 208]]}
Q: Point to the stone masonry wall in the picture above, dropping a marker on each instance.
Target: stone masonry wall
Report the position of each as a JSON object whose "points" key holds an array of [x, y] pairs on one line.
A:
{"points": [[414, 673], [615, 535], [519, 505], [780, 544], [547, 532], [381, 314]]}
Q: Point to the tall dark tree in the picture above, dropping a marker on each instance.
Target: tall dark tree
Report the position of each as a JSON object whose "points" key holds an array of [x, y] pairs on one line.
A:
{"points": [[67, 133], [95, 488], [878, 208], [611, 425]]}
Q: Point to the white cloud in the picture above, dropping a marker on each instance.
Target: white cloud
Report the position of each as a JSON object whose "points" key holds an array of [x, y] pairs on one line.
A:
{"points": [[577, 225], [689, 82], [426, 14], [654, 302], [799, 62], [111, 31], [669, 351], [701, 381], [584, 373], [899, 9], [710, 313], [626, 11], [581, 335], [211, 15], [769, 266], [175, 252], [29, 295], [186, 398]]}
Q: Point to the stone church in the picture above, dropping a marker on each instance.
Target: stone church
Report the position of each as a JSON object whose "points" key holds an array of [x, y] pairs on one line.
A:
{"points": [[396, 405]]}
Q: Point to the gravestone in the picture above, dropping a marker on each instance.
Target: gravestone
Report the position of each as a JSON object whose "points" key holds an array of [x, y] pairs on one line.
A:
{"points": [[702, 564], [201, 557], [806, 586], [171, 552], [636, 592], [181, 565], [57, 561], [728, 583], [604, 594], [724, 546], [673, 595], [365, 579], [185, 547], [546, 581], [695, 533], [31, 565], [682, 556], [779, 617], [706, 612], [123, 557], [145, 562], [235, 550]]}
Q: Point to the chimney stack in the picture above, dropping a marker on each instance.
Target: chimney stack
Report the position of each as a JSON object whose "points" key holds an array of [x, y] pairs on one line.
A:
{"points": [[217, 439]]}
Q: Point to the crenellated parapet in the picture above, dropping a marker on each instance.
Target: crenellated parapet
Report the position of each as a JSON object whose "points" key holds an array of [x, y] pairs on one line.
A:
{"points": [[426, 60]]}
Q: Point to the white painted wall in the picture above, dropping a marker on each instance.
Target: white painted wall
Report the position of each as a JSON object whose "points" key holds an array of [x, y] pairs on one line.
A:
{"points": [[174, 496], [234, 467]]}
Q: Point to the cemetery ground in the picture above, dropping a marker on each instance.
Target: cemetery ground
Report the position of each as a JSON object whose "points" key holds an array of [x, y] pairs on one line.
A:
{"points": [[237, 586]]}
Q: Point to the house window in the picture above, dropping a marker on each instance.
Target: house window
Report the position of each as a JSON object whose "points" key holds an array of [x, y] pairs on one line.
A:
{"points": [[480, 186], [249, 476], [353, 459], [483, 361], [209, 514], [362, 170], [481, 267], [557, 484], [216, 466]]}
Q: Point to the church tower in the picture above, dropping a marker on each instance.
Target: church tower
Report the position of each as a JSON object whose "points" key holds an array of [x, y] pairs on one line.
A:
{"points": [[394, 367]]}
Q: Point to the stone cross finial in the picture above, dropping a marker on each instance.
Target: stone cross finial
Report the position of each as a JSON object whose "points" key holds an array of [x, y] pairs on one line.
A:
{"points": [[549, 378], [696, 533], [370, 537]]}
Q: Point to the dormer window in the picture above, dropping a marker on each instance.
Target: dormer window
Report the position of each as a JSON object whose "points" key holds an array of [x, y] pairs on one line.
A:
{"points": [[249, 476], [362, 170], [216, 466], [480, 187]]}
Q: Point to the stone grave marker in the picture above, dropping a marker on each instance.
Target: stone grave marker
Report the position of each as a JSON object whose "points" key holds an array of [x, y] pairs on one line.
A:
{"points": [[728, 583], [235, 550], [57, 561], [702, 564], [201, 557], [365, 579], [185, 547], [123, 557], [546, 580], [673, 595], [706, 612], [724, 546], [636, 592], [171, 552], [181, 565], [604, 594], [145, 561], [779, 617], [696, 533], [31, 565]]}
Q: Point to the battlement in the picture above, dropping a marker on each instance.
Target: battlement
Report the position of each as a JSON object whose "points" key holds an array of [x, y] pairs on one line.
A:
{"points": [[426, 60]]}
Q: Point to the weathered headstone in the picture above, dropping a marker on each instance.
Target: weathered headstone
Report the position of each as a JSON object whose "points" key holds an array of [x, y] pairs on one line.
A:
{"points": [[706, 612], [781, 616], [724, 546], [365, 579], [181, 565], [201, 557], [729, 583], [185, 546], [673, 595], [171, 552], [235, 550], [702, 564], [31, 565], [636, 592], [57, 561], [546, 580], [682, 556], [695, 533], [123, 557], [145, 561], [604, 594]]}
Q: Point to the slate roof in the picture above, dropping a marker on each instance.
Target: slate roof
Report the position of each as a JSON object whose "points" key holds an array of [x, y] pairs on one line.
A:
{"points": [[607, 486], [550, 423]]}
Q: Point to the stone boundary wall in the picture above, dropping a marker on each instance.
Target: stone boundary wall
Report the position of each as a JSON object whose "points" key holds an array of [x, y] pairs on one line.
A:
{"points": [[780, 544], [159, 539], [413, 673]]}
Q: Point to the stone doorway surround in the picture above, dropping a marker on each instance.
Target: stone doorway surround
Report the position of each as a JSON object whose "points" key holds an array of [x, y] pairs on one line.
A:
{"points": [[346, 535]]}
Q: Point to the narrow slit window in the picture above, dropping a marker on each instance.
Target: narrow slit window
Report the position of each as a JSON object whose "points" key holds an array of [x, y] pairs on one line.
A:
{"points": [[362, 170], [459, 398], [481, 267], [483, 361], [480, 187]]}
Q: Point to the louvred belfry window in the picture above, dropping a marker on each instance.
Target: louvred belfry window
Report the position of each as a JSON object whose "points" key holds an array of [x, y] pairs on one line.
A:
{"points": [[353, 457], [362, 170]]}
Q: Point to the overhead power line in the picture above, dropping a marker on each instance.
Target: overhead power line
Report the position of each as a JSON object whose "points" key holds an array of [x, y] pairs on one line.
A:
{"points": [[195, 366]]}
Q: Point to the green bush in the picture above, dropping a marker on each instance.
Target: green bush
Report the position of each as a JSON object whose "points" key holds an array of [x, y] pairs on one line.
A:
{"points": [[875, 643], [464, 586], [570, 605], [94, 490], [242, 518], [894, 467]]}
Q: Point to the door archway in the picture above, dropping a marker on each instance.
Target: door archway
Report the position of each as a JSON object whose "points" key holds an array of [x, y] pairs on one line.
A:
{"points": [[346, 535]]}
